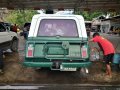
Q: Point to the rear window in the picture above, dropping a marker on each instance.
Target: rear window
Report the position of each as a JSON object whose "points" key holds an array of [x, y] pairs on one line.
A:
{"points": [[58, 27]]}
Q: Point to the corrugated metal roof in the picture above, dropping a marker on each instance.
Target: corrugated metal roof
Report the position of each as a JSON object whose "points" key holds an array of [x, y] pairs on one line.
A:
{"points": [[111, 5]]}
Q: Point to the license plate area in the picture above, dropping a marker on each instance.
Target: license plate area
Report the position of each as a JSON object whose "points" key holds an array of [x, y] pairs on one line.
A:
{"points": [[67, 68]]}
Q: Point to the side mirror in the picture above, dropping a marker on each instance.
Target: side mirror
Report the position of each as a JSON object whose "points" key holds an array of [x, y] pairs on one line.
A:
{"points": [[8, 28]]}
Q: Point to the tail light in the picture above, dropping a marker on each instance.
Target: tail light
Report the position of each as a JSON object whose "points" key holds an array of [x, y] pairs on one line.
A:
{"points": [[30, 50], [84, 51]]}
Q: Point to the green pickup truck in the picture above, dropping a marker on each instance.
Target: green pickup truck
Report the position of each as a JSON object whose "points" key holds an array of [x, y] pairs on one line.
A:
{"points": [[58, 42]]}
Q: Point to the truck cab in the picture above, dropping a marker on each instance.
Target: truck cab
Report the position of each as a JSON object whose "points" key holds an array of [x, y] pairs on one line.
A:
{"points": [[58, 42]]}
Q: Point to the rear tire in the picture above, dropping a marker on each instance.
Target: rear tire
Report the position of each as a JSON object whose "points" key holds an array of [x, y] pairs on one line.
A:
{"points": [[82, 72], [14, 46]]}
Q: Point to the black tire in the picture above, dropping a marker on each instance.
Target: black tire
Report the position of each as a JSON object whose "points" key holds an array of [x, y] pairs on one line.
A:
{"points": [[38, 69], [82, 72], [14, 45]]}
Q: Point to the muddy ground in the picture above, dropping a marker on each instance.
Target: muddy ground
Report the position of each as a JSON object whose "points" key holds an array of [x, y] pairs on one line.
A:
{"points": [[14, 72]]}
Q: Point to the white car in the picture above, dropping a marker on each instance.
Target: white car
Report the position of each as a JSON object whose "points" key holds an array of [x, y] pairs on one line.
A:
{"points": [[8, 39]]}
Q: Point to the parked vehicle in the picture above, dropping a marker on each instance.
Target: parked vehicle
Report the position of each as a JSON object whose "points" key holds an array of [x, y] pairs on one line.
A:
{"points": [[8, 39], [58, 42]]}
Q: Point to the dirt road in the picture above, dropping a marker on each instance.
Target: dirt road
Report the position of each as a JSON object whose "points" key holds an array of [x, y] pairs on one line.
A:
{"points": [[16, 73]]}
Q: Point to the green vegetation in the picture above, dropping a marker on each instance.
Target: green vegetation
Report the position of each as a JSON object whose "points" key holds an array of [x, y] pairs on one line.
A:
{"points": [[19, 16], [90, 15]]}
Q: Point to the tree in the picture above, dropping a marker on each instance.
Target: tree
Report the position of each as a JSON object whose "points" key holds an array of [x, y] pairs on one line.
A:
{"points": [[19, 16], [90, 16]]}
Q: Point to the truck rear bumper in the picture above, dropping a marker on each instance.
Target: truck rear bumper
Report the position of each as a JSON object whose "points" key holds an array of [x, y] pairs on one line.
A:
{"points": [[50, 64]]}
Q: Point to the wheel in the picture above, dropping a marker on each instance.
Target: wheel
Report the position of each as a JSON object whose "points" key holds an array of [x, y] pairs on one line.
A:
{"points": [[82, 72], [14, 46], [38, 69]]}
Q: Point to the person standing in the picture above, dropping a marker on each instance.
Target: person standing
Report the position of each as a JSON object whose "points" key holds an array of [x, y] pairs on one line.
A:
{"points": [[108, 50], [15, 28], [26, 30]]}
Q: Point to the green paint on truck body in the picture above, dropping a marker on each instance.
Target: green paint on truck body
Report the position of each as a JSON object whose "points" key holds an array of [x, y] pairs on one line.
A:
{"points": [[47, 51]]}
